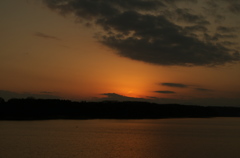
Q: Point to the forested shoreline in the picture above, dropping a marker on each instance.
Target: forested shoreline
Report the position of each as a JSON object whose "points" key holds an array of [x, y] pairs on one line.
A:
{"points": [[42, 109]]}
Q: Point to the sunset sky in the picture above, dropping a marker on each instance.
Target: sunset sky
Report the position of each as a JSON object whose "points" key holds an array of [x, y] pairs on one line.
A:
{"points": [[164, 51]]}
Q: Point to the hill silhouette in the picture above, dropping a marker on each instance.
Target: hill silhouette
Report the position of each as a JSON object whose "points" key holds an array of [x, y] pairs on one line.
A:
{"points": [[38, 109]]}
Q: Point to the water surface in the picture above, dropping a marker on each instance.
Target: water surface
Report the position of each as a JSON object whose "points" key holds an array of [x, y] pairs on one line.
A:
{"points": [[161, 138]]}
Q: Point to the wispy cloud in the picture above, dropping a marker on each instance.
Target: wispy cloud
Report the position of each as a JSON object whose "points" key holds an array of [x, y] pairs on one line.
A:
{"points": [[224, 29], [43, 35], [165, 92], [178, 85], [203, 89]]}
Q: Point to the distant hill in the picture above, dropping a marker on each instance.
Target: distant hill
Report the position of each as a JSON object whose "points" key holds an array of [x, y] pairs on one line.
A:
{"points": [[38, 109]]}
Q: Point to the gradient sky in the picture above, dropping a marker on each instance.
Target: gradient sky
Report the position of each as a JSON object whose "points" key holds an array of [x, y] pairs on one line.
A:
{"points": [[164, 51]]}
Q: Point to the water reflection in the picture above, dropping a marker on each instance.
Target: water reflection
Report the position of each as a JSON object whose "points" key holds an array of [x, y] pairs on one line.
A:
{"points": [[166, 138]]}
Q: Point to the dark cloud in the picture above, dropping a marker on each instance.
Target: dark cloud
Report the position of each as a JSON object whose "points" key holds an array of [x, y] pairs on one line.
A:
{"points": [[224, 29], [203, 90], [43, 35], [190, 101], [213, 9], [185, 16], [178, 85], [165, 92], [118, 97], [212, 4], [235, 8], [174, 1], [228, 43], [231, 5], [114, 95], [195, 28], [148, 31], [218, 37]]}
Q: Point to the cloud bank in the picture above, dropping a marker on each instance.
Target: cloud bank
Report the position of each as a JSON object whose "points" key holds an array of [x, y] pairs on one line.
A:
{"points": [[160, 31]]}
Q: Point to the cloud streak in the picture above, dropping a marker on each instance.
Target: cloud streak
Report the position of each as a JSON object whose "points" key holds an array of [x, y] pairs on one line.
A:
{"points": [[203, 90], [43, 35], [180, 85], [177, 85], [150, 31], [165, 92]]}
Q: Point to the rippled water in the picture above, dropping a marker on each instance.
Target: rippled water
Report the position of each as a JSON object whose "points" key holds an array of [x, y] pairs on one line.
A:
{"points": [[164, 138]]}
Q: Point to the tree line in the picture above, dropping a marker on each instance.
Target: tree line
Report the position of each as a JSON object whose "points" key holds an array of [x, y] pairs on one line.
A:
{"points": [[39, 109]]}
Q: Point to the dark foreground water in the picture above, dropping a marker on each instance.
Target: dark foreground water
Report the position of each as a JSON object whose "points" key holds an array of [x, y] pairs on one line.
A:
{"points": [[164, 138]]}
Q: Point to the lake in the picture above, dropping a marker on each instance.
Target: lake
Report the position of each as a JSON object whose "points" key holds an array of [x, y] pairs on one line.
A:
{"points": [[160, 138]]}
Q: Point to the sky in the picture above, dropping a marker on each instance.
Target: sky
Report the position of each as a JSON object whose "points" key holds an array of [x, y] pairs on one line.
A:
{"points": [[163, 51]]}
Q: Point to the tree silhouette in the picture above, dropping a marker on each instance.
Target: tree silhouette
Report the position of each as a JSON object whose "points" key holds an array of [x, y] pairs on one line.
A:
{"points": [[2, 101], [31, 109]]}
